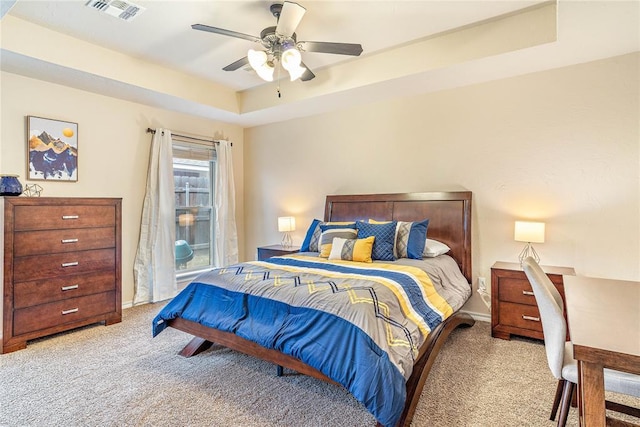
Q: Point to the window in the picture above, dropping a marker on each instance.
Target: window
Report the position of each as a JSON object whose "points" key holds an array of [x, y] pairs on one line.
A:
{"points": [[193, 175]]}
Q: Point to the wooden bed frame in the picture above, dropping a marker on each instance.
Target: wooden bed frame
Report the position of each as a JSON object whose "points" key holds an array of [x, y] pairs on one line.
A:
{"points": [[449, 216]]}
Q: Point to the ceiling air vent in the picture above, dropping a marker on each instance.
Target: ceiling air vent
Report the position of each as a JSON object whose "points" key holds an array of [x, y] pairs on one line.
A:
{"points": [[124, 10]]}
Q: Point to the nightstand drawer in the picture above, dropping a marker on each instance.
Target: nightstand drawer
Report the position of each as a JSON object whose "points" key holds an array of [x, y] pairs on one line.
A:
{"points": [[516, 290], [520, 316]]}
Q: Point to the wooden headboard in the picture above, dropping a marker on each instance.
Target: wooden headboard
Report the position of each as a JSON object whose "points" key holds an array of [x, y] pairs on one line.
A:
{"points": [[449, 214]]}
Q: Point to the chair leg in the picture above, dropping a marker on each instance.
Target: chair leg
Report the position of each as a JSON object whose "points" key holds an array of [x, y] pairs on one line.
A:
{"points": [[567, 394], [556, 400]]}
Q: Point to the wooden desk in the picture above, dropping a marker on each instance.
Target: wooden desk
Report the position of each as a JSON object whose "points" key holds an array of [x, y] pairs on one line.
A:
{"points": [[604, 321]]}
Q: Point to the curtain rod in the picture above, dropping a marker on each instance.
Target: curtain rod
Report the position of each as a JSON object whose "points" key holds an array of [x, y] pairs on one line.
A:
{"points": [[153, 131]]}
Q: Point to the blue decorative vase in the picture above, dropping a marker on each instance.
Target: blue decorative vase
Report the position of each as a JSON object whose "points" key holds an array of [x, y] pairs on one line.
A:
{"points": [[10, 186]]}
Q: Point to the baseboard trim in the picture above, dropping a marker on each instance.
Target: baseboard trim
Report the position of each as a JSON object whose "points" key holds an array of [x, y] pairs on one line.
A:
{"points": [[481, 317]]}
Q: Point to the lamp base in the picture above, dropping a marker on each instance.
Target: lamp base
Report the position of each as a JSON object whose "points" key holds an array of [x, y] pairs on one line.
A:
{"points": [[286, 240], [527, 252]]}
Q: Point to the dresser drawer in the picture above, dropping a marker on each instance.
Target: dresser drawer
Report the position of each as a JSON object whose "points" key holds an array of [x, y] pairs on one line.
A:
{"points": [[56, 217], [35, 292], [60, 312], [520, 316], [43, 266], [63, 240]]}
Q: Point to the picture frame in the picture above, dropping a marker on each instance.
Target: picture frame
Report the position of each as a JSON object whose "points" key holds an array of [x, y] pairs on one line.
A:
{"points": [[52, 150]]}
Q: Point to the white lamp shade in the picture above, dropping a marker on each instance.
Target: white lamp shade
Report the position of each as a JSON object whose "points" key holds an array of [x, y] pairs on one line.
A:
{"points": [[286, 223], [265, 72], [257, 58], [530, 232], [291, 58], [296, 73]]}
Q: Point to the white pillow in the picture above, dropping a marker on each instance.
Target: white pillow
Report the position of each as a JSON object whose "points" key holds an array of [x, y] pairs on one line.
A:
{"points": [[433, 248]]}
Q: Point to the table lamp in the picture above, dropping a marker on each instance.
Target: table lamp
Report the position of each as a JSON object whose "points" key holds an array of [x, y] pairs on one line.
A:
{"points": [[530, 232], [285, 225]]}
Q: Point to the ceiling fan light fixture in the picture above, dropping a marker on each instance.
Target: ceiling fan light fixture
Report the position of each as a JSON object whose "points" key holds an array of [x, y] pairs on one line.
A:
{"points": [[296, 72], [266, 72], [259, 61], [291, 58], [257, 58]]}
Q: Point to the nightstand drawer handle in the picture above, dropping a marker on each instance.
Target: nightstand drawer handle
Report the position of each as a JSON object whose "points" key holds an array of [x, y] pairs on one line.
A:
{"points": [[70, 264], [69, 240], [70, 216], [70, 287], [535, 319], [527, 293], [73, 310]]}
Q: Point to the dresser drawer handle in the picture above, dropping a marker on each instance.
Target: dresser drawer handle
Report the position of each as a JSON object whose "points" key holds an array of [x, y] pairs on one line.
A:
{"points": [[535, 319], [70, 287], [73, 310], [70, 216], [69, 264], [528, 293], [69, 240]]}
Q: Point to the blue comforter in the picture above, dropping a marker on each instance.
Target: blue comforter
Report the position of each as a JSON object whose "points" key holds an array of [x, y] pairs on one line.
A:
{"points": [[362, 325]]}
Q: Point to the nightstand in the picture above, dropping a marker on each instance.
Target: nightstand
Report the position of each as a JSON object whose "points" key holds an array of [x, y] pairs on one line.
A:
{"points": [[513, 306], [265, 252]]}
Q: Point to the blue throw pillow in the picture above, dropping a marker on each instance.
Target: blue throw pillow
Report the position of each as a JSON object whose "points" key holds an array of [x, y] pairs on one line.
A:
{"points": [[306, 244], [385, 235], [411, 238]]}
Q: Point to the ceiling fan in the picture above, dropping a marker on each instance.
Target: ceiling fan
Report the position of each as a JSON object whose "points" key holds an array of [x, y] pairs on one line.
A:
{"points": [[281, 46]]}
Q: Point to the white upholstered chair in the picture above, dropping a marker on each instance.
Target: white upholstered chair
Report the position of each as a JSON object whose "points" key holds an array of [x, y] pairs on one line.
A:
{"points": [[560, 352]]}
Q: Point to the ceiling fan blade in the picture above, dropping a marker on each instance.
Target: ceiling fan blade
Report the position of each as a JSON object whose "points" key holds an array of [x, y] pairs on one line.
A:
{"points": [[307, 75], [224, 32], [353, 49], [238, 64], [289, 18]]}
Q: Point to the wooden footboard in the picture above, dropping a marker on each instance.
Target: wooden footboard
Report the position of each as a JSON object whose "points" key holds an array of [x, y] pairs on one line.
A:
{"points": [[421, 369], [204, 337]]}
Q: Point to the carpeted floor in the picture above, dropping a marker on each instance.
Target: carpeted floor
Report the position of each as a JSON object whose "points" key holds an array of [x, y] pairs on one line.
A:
{"points": [[120, 376]]}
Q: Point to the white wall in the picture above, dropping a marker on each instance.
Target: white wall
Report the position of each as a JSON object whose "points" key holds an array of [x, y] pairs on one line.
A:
{"points": [[113, 149], [560, 146]]}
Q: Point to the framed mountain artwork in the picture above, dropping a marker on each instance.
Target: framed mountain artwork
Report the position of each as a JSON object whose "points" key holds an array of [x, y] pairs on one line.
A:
{"points": [[52, 149]]}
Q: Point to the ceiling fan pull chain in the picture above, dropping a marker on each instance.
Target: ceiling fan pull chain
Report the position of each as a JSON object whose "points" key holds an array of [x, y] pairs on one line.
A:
{"points": [[278, 87]]}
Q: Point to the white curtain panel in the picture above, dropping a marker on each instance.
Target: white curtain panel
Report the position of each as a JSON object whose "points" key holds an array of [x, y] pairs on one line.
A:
{"points": [[226, 235], [154, 265]]}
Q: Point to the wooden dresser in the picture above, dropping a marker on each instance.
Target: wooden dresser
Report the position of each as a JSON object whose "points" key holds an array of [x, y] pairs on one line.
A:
{"points": [[513, 306], [62, 265]]}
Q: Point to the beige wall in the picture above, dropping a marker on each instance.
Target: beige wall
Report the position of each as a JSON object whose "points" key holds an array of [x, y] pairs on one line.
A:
{"points": [[113, 149], [560, 146]]}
